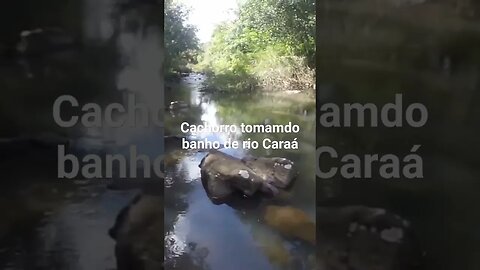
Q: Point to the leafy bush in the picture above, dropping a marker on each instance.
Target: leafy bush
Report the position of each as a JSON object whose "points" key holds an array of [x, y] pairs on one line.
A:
{"points": [[283, 72], [270, 45], [181, 42]]}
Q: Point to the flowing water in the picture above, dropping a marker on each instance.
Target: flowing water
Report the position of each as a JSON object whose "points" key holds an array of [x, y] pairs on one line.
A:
{"points": [[52, 225], [235, 236], [428, 51]]}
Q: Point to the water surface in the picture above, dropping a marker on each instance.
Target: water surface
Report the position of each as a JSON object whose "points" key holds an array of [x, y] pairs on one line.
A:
{"points": [[235, 236]]}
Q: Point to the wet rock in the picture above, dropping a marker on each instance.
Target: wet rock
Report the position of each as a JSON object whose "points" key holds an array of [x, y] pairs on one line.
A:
{"points": [[218, 191], [223, 174], [279, 170], [138, 232]]}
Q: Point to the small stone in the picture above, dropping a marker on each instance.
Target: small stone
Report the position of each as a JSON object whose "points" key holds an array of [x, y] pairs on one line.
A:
{"points": [[393, 235], [244, 174], [288, 166]]}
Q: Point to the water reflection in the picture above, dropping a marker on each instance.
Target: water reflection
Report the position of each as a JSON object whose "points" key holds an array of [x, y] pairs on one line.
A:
{"points": [[234, 230]]}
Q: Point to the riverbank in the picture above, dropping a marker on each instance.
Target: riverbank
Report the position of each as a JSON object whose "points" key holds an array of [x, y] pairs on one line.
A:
{"points": [[233, 87]]}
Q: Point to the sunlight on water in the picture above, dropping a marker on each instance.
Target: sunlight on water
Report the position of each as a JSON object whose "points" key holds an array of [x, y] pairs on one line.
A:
{"points": [[208, 233], [209, 115]]}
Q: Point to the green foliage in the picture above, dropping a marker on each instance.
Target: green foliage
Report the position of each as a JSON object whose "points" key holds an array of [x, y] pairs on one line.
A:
{"points": [[283, 71], [271, 44], [288, 23], [181, 42]]}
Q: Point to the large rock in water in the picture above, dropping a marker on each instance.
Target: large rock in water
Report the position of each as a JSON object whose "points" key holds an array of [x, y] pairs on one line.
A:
{"points": [[277, 171], [223, 174]]}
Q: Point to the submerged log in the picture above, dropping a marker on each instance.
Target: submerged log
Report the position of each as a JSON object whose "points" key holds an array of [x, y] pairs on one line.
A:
{"points": [[223, 174]]}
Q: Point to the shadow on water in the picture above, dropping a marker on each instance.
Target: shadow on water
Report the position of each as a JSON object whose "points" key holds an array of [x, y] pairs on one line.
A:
{"points": [[234, 235], [95, 51]]}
